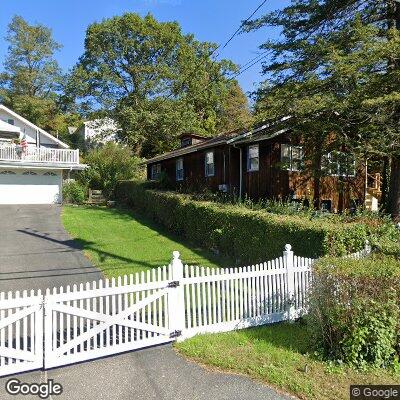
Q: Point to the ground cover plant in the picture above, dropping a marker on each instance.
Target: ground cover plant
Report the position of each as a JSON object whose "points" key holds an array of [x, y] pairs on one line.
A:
{"points": [[281, 356], [121, 242]]}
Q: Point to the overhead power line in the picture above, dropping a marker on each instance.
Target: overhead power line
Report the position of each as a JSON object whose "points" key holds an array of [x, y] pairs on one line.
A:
{"points": [[250, 64], [239, 29]]}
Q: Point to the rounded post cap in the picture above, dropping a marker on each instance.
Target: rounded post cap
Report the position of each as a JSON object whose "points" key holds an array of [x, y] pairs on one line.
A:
{"points": [[288, 247], [176, 254]]}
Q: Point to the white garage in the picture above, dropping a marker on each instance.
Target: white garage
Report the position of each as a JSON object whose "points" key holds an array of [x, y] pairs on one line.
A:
{"points": [[30, 186]]}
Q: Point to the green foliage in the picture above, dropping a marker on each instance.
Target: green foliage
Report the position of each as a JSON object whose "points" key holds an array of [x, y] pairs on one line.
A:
{"points": [[335, 69], [108, 165], [157, 81], [281, 356], [355, 310], [246, 235], [31, 82], [74, 192]]}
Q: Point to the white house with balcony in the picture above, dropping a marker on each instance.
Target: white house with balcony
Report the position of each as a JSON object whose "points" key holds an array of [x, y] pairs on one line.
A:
{"points": [[32, 174]]}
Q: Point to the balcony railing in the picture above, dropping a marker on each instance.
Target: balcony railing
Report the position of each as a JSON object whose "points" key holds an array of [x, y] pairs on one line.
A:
{"points": [[38, 155]]}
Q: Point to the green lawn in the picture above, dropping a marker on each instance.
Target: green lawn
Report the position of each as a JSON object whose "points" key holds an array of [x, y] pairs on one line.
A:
{"points": [[277, 355], [122, 242]]}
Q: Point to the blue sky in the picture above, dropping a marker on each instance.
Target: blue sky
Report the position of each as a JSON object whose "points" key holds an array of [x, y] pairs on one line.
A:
{"points": [[208, 20]]}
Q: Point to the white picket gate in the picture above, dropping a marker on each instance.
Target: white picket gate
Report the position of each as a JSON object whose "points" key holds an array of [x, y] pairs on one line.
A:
{"points": [[169, 303], [107, 318], [21, 332]]}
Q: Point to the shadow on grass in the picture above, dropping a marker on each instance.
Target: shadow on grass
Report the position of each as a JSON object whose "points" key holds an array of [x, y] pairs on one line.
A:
{"points": [[294, 337], [125, 214]]}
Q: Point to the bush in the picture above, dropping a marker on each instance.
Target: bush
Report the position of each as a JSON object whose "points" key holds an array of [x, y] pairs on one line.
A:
{"points": [[247, 235], [108, 165], [74, 192], [355, 310]]}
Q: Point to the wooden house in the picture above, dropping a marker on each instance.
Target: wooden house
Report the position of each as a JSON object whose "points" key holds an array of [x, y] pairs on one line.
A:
{"points": [[265, 163]]}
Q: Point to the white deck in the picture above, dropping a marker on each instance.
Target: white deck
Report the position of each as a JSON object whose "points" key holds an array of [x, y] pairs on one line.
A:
{"points": [[40, 155]]}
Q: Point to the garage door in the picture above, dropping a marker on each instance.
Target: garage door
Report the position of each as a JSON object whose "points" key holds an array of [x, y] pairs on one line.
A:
{"points": [[30, 187]]}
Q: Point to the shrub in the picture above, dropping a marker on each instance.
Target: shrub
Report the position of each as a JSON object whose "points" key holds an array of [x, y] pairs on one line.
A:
{"points": [[355, 310], [74, 192], [108, 165], [247, 235]]}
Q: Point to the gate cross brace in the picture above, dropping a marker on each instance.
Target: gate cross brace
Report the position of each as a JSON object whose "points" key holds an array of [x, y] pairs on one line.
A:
{"points": [[115, 319], [78, 312]]}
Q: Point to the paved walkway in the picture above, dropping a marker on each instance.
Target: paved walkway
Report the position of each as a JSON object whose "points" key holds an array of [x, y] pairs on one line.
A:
{"points": [[36, 252]]}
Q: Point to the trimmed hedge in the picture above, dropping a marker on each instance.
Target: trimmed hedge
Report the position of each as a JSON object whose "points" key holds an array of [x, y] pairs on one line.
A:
{"points": [[246, 235]]}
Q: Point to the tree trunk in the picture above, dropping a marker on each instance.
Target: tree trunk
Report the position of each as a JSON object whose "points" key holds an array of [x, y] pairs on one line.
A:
{"points": [[385, 184], [394, 182], [394, 189], [317, 192]]}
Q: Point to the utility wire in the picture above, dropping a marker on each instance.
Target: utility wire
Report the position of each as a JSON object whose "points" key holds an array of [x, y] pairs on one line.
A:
{"points": [[238, 29], [253, 61], [251, 65], [246, 66]]}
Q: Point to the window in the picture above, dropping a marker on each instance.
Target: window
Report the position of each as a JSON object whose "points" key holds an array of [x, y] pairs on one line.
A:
{"points": [[292, 157], [29, 173], [338, 163], [179, 169], [10, 121], [49, 174], [7, 173], [252, 158], [209, 163], [155, 171], [186, 142]]}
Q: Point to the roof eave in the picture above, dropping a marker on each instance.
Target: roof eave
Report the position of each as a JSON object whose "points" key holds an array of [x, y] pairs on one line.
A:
{"points": [[184, 151], [19, 165]]}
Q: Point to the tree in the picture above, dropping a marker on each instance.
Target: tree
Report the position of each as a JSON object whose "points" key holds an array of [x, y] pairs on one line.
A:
{"points": [[156, 81], [336, 70], [31, 81], [235, 113], [108, 165]]}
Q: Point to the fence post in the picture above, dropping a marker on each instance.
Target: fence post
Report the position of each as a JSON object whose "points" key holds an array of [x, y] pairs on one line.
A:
{"points": [[288, 258], [176, 305]]}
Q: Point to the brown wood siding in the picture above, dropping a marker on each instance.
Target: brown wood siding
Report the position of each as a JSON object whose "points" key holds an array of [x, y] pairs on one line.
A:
{"points": [[194, 169], [269, 182], [340, 191]]}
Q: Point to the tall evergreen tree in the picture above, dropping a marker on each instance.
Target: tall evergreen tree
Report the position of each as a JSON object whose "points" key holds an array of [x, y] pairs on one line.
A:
{"points": [[336, 70]]}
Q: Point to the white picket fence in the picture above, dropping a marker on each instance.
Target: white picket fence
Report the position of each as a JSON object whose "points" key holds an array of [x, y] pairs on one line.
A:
{"points": [[169, 303]]}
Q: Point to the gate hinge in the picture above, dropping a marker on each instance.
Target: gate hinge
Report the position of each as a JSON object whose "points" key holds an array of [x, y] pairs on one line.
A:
{"points": [[173, 284], [175, 334]]}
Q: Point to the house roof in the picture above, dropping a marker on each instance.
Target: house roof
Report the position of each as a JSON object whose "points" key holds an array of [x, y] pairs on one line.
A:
{"points": [[264, 132], [6, 127], [192, 135], [42, 131], [208, 142]]}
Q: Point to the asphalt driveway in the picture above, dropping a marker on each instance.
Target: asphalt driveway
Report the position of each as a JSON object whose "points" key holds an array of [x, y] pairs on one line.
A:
{"points": [[36, 252]]}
